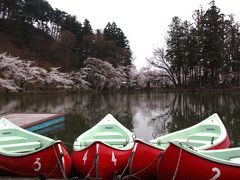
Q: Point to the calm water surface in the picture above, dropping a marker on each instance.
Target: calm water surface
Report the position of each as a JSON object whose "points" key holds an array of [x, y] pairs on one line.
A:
{"points": [[144, 113]]}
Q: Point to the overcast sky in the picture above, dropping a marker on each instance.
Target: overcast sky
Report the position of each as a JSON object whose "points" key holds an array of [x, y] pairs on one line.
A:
{"points": [[144, 22]]}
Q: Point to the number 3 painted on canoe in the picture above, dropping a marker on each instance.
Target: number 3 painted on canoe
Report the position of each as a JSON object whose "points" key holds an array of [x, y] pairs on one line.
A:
{"points": [[38, 164], [217, 175]]}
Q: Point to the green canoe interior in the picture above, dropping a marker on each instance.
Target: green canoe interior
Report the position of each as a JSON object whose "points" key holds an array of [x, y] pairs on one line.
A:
{"points": [[110, 134], [196, 137], [14, 141]]}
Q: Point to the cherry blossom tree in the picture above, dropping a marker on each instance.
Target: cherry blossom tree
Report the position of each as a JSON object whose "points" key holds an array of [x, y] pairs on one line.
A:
{"points": [[102, 75], [20, 75]]}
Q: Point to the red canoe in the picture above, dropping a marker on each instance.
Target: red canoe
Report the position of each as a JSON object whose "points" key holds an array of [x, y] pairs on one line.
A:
{"points": [[181, 161], [103, 151], [23, 153], [100, 160], [208, 134]]}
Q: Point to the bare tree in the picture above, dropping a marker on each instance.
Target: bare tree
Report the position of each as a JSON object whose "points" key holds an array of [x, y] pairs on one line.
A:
{"points": [[159, 61]]}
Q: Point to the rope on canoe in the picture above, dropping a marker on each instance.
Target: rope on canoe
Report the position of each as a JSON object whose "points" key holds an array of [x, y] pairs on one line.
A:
{"points": [[178, 163], [119, 177], [92, 178], [52, 170], [134, 175], [158, 167], [60, 165], [72, 144], [160, 142], [90, 170], [67, 143], [88, 176]]}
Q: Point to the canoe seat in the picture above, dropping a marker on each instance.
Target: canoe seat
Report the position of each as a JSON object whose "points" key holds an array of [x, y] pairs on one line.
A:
{"points": [[204, 136], [22, 147], [107, 141], [210, 134], [108, 135], [11, 139]]}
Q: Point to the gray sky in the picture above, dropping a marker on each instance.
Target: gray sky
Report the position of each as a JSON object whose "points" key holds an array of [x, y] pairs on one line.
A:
{"points": [[144, 22]]}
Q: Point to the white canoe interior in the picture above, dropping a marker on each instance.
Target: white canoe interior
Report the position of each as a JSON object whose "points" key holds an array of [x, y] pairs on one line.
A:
{"points": [[108, 131], [203, 135], [17, 141]]}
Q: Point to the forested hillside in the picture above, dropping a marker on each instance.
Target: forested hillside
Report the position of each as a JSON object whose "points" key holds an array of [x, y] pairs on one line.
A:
{"points": [[32, 29]]}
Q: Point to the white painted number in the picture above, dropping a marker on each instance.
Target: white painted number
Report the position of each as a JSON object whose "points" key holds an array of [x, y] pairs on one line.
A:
{"points": [[37, 164], [217, 175], [114, 160]]}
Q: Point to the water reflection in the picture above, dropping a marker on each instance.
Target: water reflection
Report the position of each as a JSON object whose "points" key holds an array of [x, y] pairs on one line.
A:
{"points": [[144, 113]]}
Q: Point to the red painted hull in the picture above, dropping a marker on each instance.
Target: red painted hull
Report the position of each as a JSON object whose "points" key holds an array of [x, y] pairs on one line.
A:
{"points": [[108, 163], [45, 162], [191, 166], [223, 145], [147, 158]]}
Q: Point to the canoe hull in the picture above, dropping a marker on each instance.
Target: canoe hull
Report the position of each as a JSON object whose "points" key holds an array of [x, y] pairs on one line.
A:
{"points": [[147, 154], [177, 163], [45, 162], [100, 160], [145, 159]]}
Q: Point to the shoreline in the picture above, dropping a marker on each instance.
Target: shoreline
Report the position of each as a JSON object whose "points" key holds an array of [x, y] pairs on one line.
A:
{"points": [[162, 90]]}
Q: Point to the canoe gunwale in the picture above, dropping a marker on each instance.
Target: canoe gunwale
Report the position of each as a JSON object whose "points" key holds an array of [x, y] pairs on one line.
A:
{"points": [[152, 145], [22, 154], [105, 144], [199, 154]]}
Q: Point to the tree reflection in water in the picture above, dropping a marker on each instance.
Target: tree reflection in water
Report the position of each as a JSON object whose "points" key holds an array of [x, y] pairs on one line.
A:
{"points": [[144, 113]]}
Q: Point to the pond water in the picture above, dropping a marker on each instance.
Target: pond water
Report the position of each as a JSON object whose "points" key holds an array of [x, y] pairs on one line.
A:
{"points": [[144, 113]]}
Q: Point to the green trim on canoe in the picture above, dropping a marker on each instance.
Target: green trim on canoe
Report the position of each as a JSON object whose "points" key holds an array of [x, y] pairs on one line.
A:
{"points": [[15, 141], [108, 131], [203, 135]]}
